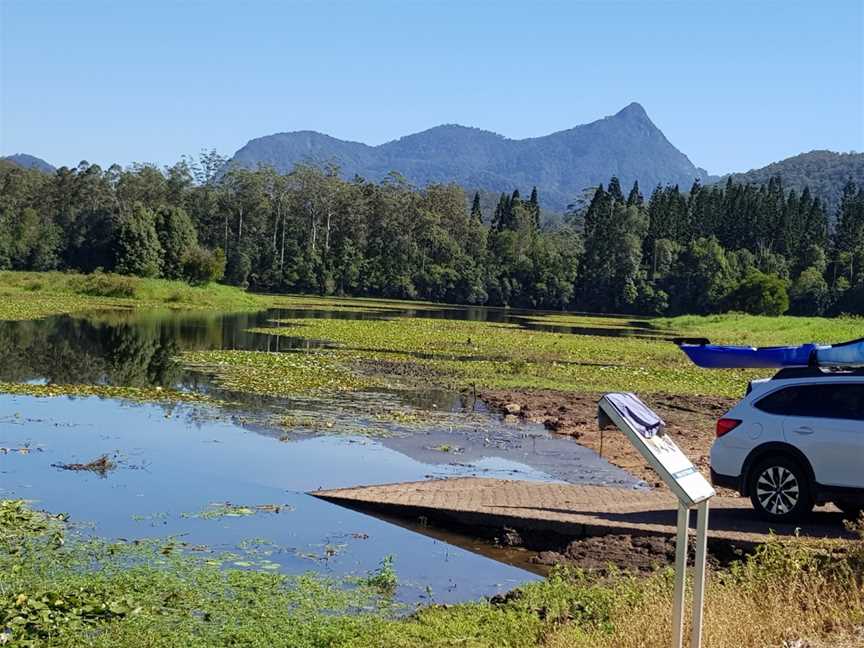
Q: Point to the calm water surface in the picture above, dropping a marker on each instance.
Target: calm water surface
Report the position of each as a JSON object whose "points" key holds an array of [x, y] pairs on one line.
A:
{"points": [[175, 462]]}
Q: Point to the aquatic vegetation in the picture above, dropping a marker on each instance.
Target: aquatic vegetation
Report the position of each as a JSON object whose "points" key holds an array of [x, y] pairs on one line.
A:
{"points": [[122, 595], [383, 579], [19, 522], [135, 394], [401, 416], [464, 354], [227, 509], [100, 466], [446, 447], [273, 374]]}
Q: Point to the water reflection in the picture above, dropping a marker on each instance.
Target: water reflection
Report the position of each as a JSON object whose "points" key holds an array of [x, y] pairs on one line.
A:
{"points": [[136, 349]]}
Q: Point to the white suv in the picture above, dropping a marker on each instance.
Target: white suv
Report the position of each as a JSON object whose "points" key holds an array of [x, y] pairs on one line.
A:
{"points": [[795, 441]]}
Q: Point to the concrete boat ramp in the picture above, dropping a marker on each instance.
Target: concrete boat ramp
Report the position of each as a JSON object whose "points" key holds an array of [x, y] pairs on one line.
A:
{"points": [[483, 507]]}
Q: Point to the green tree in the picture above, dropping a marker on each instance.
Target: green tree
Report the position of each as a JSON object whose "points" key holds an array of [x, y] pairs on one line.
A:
{"points": [[138, 251], [810, 294], [476, 210], [760, 294], [177, 238], [610, 265]]}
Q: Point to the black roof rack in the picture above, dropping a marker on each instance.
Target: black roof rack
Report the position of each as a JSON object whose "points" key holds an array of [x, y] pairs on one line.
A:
{"points": [[815, 372]]}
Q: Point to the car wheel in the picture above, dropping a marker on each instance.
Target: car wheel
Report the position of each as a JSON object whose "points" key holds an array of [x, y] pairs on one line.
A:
{"points": [[851, 510], [780, 490]]}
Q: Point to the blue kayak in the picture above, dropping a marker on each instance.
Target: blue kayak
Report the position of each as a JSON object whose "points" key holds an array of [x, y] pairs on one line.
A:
{"points": [[715, 356]]}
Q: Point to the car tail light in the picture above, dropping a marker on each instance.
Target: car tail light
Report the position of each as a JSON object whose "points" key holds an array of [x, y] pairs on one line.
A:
{"points": [[726, 425]]}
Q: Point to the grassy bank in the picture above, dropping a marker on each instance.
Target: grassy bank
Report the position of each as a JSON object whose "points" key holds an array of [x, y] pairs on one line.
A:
{"points": [[30, 295], [57, 591], [758, 330]]}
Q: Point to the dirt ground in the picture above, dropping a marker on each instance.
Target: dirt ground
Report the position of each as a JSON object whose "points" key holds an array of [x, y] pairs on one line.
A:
{"points": [[627, 552], [690, 421]]}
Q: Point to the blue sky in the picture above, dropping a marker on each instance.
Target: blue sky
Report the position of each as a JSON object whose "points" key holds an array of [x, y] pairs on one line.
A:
{"points": [[733, 84]]}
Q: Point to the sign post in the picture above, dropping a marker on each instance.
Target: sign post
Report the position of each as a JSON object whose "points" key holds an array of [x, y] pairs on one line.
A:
{"points": [[646, 432]]}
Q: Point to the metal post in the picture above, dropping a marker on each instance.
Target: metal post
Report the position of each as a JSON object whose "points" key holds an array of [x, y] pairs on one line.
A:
{"points": [[699, 576], [680, 576]]}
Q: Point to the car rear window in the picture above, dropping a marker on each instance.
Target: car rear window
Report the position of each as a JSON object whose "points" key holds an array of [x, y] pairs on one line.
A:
{"points": [[838, 401]]}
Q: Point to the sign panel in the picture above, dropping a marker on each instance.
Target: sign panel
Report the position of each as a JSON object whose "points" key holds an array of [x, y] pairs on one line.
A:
{"points": [[647, 434]]}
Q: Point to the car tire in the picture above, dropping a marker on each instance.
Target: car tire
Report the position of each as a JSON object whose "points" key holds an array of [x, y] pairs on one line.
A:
{"points": [[780, 490], [851, 510]]}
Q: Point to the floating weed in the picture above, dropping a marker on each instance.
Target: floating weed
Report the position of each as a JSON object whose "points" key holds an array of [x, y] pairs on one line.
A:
{"points": [[273, 374], [462, 354], [401, 416], [134, 394], [227, 509], [100, 466], [25, 449], [446, 447]]}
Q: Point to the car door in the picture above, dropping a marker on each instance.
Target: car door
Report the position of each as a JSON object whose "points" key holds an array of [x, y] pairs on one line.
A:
{"points": [[826, 422]]}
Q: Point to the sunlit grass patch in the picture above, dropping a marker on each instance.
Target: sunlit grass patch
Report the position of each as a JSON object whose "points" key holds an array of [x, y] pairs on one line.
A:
{"points": [[31, 295], [760, 330], [359, 304]]}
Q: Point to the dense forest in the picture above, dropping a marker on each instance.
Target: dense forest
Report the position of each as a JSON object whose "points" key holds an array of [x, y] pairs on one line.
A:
{"points": [[755, 248], [824, 172]]}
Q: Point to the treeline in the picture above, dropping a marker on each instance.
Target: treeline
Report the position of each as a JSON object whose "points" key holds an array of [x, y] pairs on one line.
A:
{"points": [[752, 248], [745, 247]]}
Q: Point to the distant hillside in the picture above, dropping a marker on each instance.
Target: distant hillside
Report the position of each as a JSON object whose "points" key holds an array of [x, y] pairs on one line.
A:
{"points": [[825, 172], [561, 165], [30, 162]]}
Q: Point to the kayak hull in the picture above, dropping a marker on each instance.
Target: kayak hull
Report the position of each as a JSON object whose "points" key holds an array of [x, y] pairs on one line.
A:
{"points": [[715, 356]]}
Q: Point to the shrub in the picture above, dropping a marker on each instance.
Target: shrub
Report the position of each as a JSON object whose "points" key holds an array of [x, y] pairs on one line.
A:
{"points": [[100, 284], [760, 294], [201, 266]]}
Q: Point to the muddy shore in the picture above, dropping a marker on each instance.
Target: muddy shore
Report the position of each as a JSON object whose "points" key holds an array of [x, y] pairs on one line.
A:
{"points": [[690, 421]]}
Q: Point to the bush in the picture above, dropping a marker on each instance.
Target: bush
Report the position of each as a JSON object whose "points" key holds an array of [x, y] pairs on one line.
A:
{"points": [[760, 294], [138, 249], [100, 284], [201, 266]]}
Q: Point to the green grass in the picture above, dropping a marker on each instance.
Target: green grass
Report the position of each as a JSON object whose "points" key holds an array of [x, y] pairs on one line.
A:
{"points": [[760, 330], [30, 295], [62, 591]]}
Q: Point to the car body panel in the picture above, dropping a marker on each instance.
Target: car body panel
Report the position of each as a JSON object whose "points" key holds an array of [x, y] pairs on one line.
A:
{"points": [[833, 447]]}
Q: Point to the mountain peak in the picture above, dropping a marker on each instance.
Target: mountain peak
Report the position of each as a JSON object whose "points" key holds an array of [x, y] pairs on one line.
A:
{"points": [[560, 165], [27, 161], [633, 110]]}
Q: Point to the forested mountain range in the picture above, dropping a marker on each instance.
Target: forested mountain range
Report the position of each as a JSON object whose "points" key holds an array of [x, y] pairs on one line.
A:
{"points": [[30, 162], [561, 165], [824, 172]]}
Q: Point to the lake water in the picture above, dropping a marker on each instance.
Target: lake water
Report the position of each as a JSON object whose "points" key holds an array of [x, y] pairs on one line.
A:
{"points": [[179, 466]]}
